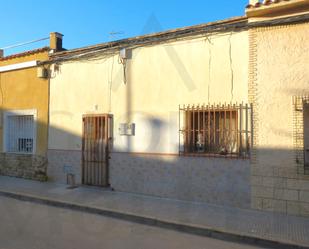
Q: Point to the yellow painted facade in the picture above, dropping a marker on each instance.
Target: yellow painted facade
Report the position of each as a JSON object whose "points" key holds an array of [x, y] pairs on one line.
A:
{"points": [[22, 90]]}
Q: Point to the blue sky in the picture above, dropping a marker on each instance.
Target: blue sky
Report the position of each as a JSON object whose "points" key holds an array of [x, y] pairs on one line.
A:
{"points": [[90, 22]]}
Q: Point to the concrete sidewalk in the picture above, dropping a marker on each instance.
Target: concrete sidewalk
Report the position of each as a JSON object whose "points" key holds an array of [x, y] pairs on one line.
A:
{"points": [[249, 226]]}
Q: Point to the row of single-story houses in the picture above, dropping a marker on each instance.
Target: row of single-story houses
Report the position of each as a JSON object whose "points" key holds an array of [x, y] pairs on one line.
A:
{"points": [[214, 113]]}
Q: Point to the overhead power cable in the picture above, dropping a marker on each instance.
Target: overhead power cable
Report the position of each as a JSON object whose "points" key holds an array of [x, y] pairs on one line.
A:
{"points": [[25, 43]]}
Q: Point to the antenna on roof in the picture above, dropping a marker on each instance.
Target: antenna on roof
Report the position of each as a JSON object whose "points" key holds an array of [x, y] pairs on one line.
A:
{"points": [[114, 34]]}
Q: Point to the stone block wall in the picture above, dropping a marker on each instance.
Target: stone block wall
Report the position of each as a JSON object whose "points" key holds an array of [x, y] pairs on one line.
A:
{"points": [[24, 166], [284, 192]]}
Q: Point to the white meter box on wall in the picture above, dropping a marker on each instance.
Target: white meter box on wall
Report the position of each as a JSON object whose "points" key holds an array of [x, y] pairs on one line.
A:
{"points": [[127, 129]]}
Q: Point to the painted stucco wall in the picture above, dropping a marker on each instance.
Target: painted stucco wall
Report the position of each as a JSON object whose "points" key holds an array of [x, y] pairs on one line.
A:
{"points": [[278, 179], [23, 90], [159, 78]]}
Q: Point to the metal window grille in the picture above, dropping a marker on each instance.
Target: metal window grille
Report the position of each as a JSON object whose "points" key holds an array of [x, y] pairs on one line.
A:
{"points": [[20, 133], [215, 130], [300, 132]]}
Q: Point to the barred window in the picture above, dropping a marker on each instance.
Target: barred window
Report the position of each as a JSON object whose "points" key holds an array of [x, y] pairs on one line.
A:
{"points": [[19, 132], [306, 135], [215, 130], [301, 133]]}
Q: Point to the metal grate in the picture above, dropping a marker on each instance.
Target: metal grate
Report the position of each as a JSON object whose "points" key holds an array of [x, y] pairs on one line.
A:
{"points": [[95, 146], [215, 130], [300, 133], [20, 133]]}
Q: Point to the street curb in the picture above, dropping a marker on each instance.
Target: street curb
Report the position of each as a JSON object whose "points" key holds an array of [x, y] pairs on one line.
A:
{"points": [[196, 230]]}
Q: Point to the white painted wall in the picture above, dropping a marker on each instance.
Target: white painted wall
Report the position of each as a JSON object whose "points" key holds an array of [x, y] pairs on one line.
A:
{"points": [[159, 78]]}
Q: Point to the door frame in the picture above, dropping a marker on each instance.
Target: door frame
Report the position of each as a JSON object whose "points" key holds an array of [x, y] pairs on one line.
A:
{"points": [[108, 131]]}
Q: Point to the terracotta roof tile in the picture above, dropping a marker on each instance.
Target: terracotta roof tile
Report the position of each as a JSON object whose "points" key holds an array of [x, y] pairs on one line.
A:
{"points": [[265, 3], [268, 2], [30, 52], [258, 5]]}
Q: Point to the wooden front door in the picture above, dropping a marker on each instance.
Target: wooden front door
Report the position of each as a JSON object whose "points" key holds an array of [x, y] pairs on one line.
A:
{"points": [[95, 149]]}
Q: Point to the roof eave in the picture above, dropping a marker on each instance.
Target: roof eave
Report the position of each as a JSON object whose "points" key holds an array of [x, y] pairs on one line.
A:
{"points": [[276, 7], [149, 36], [26, 53]]}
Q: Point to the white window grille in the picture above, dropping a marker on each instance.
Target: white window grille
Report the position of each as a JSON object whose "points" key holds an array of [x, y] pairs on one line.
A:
{"points": [[20, 131]]}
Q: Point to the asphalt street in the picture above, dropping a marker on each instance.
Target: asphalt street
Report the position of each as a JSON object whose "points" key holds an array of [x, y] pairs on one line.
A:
{"points": [[25, 225]]}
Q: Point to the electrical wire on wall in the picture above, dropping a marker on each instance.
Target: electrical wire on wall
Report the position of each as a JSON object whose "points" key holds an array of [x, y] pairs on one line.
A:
{"points": [[209, 67], [123, 60], [110, 84], [111, 71], [231, 67], [107, 49], [104, 50]]}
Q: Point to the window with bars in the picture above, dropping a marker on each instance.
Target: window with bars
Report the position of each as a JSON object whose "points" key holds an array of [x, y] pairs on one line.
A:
{"points": [[301, 132], [20, 132], [218, 130], [306, 135]]}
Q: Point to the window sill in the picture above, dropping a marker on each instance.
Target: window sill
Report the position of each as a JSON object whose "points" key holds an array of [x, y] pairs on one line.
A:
{"points": [[19, 153], [213, 155]]}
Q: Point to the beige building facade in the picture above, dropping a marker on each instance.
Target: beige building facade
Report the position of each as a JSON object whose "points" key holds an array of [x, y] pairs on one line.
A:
{"points": [[278, 89], [212, 113], [209, 67]]}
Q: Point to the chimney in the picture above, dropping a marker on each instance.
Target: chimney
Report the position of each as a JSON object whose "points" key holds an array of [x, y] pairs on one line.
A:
{"points": [[1, 53], [55, 41]]}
